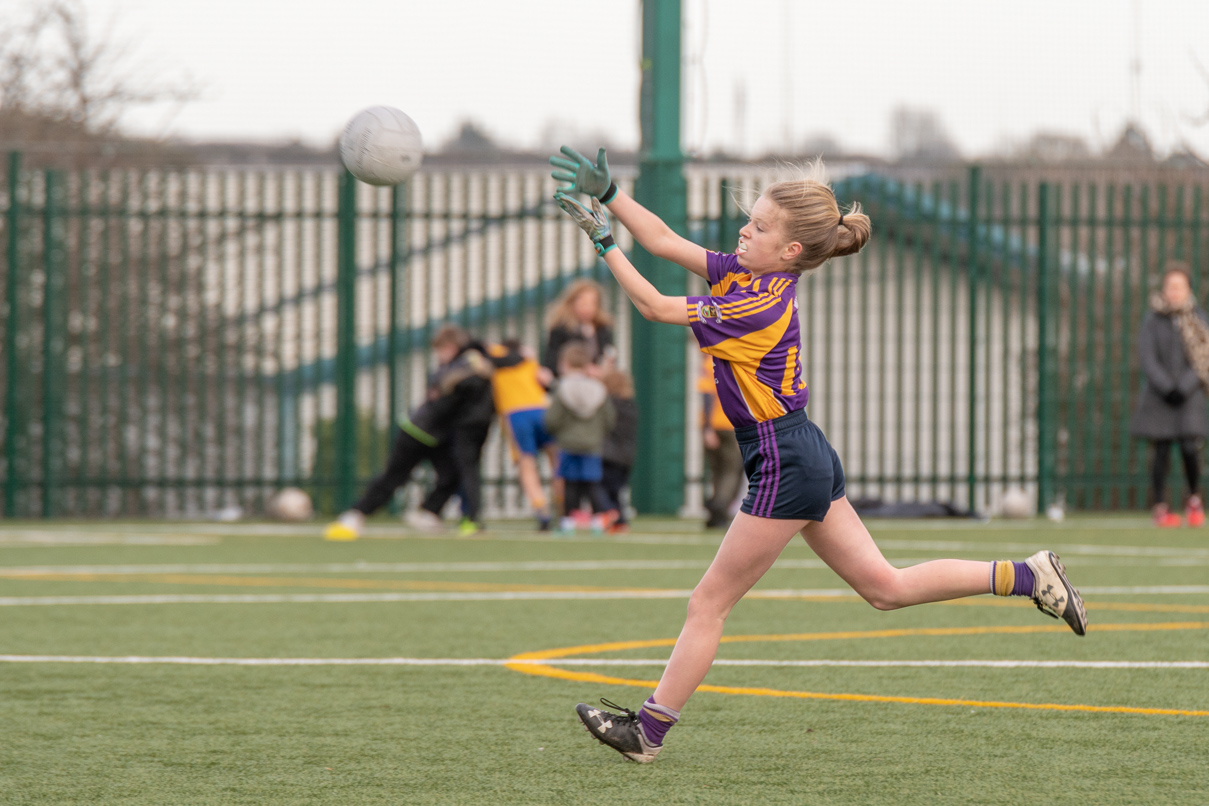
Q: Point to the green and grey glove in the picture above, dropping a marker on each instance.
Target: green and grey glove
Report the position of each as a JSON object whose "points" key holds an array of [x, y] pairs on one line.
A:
{"points": [[583, 175], [593, 221]]}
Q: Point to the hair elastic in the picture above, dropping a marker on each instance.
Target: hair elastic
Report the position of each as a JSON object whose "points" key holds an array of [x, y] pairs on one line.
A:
{"points": [[841, 220]]}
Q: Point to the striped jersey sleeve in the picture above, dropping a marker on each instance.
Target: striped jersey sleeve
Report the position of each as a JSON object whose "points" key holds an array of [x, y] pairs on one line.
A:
{"points": [[750, 327]]}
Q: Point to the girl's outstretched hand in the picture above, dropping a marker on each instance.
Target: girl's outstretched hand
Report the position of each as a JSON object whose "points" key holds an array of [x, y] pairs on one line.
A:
{"points": [[593, 221], [583, 175]]}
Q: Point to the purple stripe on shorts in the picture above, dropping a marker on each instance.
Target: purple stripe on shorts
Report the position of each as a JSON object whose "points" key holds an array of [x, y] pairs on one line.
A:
{"points": [[755, 504], [761, 501], [776, 479]]}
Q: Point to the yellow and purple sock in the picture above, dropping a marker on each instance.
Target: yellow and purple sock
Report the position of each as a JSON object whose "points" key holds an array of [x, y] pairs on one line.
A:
{"points": [[656, 721], [1010, 578]]}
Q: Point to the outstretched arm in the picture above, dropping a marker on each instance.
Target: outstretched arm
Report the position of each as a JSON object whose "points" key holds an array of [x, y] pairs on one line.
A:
{"points": [[592, 178], [646, 298], [657, 237]]}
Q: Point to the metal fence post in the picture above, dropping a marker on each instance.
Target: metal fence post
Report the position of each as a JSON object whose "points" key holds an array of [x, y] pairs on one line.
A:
{"points": [[12, 323], [1046, 345], [658, 349], [54, 341], [972, 279], [346, 342], [399, 253]]}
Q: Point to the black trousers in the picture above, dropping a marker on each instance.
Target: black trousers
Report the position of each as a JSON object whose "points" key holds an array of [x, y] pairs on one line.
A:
{"points": [[457, 462], [613, 481], [1190, 448], [577, 491], [406, 454]]}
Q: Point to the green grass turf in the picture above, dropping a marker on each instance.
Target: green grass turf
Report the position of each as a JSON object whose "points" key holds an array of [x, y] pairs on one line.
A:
{"points": [[176, 734]]}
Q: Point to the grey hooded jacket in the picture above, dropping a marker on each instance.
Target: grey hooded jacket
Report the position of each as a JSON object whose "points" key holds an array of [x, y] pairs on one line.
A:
{"points": [[580, 414]]}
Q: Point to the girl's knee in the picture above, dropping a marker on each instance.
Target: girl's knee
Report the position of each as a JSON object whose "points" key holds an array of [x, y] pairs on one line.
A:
{"points": [[703, 603], [883, 593]]}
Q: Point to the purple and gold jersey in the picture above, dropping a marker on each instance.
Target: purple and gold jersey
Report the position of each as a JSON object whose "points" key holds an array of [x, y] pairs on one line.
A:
{"points": [[750, 326]]}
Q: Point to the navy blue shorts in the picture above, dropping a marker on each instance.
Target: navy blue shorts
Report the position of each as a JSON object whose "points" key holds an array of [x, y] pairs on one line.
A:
{"points": [[580, 467], [793, 473]]}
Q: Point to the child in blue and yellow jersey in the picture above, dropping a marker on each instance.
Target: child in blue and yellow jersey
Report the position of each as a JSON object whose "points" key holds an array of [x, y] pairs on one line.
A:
{"points": [[519, 388], [748, 323]]}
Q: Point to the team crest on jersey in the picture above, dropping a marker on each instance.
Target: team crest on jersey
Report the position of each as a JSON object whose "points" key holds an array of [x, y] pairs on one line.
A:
{"points": [[707, 310]]}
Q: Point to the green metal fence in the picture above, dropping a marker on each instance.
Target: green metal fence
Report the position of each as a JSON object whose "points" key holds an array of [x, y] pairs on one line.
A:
{"points": [[181, 342]]}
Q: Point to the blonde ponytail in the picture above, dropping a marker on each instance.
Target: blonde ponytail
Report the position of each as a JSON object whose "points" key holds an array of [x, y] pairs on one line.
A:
{"points": [[853, 232]]}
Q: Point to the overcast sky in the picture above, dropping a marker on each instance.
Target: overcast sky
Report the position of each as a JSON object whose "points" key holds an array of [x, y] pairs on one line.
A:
{"points": [[994, 72]]}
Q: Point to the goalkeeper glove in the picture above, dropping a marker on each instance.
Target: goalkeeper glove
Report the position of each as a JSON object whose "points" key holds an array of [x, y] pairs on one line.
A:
{"points": [[583, 175], [593, 221]]}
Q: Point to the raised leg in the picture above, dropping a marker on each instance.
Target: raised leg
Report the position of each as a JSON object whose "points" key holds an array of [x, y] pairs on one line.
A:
{"points": [[842, 541]]}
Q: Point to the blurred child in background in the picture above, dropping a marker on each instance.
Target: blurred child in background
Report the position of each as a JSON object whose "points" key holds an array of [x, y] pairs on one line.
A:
{"points": [[579, 416], [519, 388], [620, 445], [458, 391], [457, 459]]}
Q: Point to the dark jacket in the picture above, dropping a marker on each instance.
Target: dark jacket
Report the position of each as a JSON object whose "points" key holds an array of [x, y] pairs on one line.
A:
{"points": [[559, 336], [459, 396], [621, 444], [1165, 367]]}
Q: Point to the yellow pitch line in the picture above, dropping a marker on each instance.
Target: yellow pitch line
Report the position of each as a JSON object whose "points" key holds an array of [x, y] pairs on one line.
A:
{"points": [[541, 670]]}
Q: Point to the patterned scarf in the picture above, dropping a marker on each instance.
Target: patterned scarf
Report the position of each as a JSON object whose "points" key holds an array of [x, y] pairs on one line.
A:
{"points": [[1193, 332]]}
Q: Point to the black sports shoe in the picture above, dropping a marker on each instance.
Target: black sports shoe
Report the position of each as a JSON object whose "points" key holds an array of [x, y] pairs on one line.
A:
{"points": [[1053, 594], [622, 732]]}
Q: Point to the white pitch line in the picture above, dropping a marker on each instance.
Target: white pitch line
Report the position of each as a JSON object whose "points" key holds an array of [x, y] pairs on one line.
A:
{"points": [[23, 539], [476, 596], [982, 664], [18, 571]]}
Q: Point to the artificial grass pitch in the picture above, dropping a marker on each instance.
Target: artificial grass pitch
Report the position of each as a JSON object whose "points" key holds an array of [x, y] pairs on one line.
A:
{"points": [[203, 730]]}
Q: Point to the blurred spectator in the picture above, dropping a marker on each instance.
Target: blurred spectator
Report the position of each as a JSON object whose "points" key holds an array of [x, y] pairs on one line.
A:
{"points": [[1173, 351], [721, 451], [519, 386], [577, 316], [458, 459], [579, 416], [620, 445], [445, 430]]}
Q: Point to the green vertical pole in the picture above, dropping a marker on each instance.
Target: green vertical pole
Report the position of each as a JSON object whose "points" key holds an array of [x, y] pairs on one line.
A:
{"points": [[658, 349], [12, 324], [54, 341], [1046, 345], [346, 342], [972, 280], [399, 251]]}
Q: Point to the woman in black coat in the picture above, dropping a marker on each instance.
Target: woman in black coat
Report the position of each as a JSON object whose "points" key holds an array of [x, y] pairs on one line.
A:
{"points": [[1173, 351], [578, 315]]}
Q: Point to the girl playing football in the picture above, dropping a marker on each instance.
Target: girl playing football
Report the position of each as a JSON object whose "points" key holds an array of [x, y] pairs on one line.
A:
{"points": [[749, 324]]}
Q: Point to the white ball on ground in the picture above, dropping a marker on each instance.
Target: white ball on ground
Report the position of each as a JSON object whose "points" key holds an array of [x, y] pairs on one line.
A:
{"points": [[290, 505], [381, 146], [1015, 504]]}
